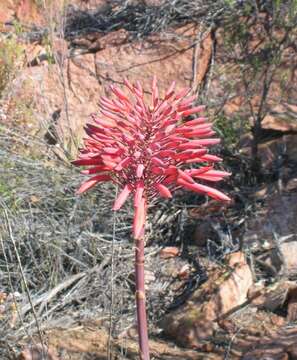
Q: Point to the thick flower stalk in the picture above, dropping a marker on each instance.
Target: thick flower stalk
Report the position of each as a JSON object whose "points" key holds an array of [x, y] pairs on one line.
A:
{"points": [[149, 150]]}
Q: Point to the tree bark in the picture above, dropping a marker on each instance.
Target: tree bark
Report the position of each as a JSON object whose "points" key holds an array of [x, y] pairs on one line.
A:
{"points": [[140, 300]]}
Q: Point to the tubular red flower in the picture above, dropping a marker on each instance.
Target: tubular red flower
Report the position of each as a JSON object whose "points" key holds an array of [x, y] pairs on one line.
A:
{"points": [[193, 110], [139, 170], [214, 193], [92, 182], [146, 149], [122, 197], [164, 191]]}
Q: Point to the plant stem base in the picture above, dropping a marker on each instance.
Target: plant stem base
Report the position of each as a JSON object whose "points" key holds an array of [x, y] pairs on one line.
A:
{"points": [[140, 300]]}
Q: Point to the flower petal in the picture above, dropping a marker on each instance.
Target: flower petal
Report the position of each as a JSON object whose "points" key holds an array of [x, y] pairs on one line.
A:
{"points": [[164, 191], [212, 175], [184, 176], [211, 158], [201, 170], [189, 154], [119, 93], [182, 93], [92, 182], [95, 170], [123, 196], [139, 170], [214, 193], [157, 161], [88, 161], [169, 180], [124, 163], [193, 144], [170, 91], [171, 170], [193, 110], [128, 84], [112, 150], [155, 92], [198, 121], [157, 170]]}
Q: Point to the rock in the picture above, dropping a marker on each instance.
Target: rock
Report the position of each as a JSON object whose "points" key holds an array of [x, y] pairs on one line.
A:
{"points": [[6, 13], [279, 152], [169, 251], [279, 120], [276, 154], [97, 42], [3, 297], [224, 291], [273, 234], [2, 310], [38, 352], [288, 252], [203, 232], [271, 354], [292, 352], [203, 53], [279, 346], [291, 185], [75, 84], [27, 12], [292, 304], [273, 297], [208, 219]]}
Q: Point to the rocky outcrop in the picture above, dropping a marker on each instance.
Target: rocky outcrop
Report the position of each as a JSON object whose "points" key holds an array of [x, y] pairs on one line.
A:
{"points": [[225, 290]]}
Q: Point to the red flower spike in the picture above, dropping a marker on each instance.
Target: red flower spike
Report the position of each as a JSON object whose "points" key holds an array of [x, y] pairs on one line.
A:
{"points": [[145, 149]]}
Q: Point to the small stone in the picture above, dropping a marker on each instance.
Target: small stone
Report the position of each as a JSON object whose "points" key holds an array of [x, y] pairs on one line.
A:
{"points": [[289, 251], [169, 252]]}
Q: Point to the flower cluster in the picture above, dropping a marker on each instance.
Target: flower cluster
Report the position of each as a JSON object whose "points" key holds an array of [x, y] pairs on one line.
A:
{"points": [[145, 149]]}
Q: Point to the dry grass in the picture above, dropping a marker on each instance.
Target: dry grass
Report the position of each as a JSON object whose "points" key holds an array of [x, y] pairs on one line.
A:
{"points": [[142, 19], [55, 252]]}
